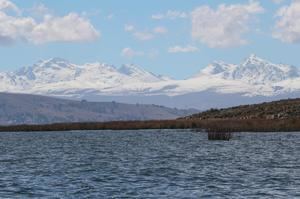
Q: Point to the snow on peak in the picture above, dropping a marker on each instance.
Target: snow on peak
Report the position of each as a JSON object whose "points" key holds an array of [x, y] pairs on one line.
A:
{"points": [[254, 60], [47, 71], [253, 70], [256, 70], [57, 60], [217, 68], [136, 72], [53, 62], [130, 69], [57, 74], [59, 77]]}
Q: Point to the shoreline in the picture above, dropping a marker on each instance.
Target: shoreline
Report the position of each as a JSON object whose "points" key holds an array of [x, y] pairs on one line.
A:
{"points": [[211, 125]]}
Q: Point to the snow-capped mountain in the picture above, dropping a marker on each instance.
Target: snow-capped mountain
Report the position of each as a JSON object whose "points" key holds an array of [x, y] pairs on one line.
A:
{"points": [[58, 76], [253, 70], [253, 79]]}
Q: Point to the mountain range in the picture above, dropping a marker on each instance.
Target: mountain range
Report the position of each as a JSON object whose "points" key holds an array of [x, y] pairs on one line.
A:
{"points": [[218, 85]]}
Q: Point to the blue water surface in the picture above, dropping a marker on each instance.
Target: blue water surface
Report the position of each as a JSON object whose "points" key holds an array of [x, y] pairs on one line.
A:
{"points": [[148, 164]]}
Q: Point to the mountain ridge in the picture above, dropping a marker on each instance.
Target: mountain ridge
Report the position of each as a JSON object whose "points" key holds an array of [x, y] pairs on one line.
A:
{"points": [[37, 109]]}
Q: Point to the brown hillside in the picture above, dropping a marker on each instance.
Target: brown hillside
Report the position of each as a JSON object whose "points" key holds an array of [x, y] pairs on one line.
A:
{"points": [[283, 109]]}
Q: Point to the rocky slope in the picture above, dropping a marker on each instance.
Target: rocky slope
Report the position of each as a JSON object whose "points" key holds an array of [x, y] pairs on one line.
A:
{"points": [[283, 109]]}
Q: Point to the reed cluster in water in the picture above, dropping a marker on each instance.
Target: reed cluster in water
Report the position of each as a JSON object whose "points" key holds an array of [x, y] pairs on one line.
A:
{"points": [[219, 135]]}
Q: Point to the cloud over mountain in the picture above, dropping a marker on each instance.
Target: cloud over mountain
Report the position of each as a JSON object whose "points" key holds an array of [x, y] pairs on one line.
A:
{"points": [[146, 34], [225, 26], [170, 14], [182, 49], [287, 28], [130, 53]]}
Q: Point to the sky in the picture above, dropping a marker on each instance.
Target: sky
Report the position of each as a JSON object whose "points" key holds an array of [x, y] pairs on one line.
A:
{"points": [[172, 37]]}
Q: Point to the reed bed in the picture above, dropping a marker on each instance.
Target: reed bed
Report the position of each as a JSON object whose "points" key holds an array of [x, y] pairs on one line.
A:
{"points": [[212, 125]]}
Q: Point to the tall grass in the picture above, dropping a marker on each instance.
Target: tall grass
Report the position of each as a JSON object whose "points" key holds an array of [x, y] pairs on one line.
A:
{"points": [[212, 125]]}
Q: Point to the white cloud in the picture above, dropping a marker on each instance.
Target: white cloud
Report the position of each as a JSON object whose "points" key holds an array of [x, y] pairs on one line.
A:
{"points": [[224, 26], [8, 5], [69, 28], [110, 16], [170, 14], [182, 49], [144, 36], [140, 35], [128, 28], [130, 53], [160, 30], [287, 28], [158, 16], [39, 10], [14, 28], [277, 1]]}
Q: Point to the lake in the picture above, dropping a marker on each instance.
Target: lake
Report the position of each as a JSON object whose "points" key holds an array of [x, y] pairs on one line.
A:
{"points": [[148, 164]]}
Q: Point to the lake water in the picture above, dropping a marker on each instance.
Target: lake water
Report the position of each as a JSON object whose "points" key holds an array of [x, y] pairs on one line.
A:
{"points": [[148, 164]]}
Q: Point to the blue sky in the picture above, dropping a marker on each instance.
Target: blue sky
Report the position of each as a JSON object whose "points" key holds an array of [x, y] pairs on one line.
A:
{"points": [[171, 37]]}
